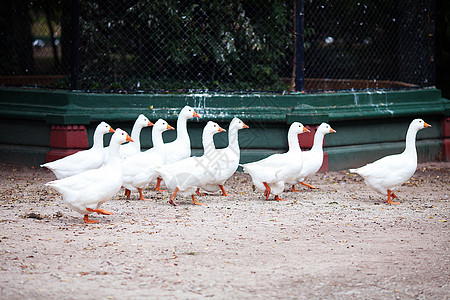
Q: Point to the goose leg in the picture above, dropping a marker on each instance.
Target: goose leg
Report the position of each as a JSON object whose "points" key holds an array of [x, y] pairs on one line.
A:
{"points": [[308, 185], [172, 198], [195, 201], [198, 192], [223, 191], [86, 220], [389, 201], [279, 199], [141, 195], [100, 211], [267, 191], [127, 193], [294, 190], [158, 183]]}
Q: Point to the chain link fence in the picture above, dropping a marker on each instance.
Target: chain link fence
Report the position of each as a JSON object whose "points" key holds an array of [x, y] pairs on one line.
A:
{"points": [[217, 45]]}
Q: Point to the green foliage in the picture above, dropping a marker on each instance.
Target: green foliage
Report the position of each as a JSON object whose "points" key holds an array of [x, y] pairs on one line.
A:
{"points": [[170, 44]]}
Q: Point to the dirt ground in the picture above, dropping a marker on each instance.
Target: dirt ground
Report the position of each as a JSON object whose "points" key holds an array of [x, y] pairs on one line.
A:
{"points": [[340, 241]]}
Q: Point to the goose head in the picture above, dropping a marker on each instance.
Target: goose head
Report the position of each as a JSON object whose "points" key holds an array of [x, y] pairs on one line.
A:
{"points": [[419, 124], [212, 128], [237, 124], [161, 126], [324, 128], [103, 128], [120, 137], [142, 121], [297, 128], [188, 113]]}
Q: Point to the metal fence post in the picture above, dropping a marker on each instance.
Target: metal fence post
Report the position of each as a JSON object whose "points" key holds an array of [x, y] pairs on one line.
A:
{"points": [[74, 56], [300, 50]]}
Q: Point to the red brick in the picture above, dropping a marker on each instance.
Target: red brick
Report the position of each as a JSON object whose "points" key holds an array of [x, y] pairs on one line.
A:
{"points": [[324, 167], [68, 136], [446, 149]]}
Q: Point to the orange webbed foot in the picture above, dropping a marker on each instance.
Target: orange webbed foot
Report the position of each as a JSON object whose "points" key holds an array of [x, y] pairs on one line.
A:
{"points": [[141, 196], [279, 199], [99, 211], [224, 193], [172, 198], [198, 192], [308, 185], [389, 201], [86, 220], [294, 190], [196, 202], [158, 183]]}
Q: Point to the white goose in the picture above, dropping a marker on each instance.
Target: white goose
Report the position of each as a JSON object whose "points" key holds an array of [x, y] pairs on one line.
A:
{"points": [[131, 149], [85, 192], [313, 159], [389, 172], [84, 160], [225, 161], [139, 170], [271, 173], [186, 175], [181, 147]]}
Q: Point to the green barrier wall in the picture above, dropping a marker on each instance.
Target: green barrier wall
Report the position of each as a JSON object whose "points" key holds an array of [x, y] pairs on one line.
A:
{"points": [[368, 124]]}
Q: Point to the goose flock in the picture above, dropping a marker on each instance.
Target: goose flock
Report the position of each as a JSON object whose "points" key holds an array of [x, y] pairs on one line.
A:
{"points": [[89, 178]]}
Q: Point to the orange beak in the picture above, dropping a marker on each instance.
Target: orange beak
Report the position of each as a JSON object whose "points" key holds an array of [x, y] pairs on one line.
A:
{"points": [[425, 125], [150, 123], [305, 129], [332, 130], [245, 126], [170, 127], [221, 129], [111, 130], [129, 139], [196, 115]]}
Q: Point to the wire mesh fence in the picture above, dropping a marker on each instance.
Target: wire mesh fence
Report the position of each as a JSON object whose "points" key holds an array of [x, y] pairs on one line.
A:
{"points": [[148, 45]]}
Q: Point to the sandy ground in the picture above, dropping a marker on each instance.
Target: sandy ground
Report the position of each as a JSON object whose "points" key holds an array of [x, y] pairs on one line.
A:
{"points": [[340, 241]]}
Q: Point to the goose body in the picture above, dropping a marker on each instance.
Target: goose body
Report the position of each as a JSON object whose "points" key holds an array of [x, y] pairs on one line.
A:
{"points": [[180, 148], [139, 170], [87, 191], [389, 172], [225, 161], [84, 160], [271, 173], [185, 176], [313, 159]]}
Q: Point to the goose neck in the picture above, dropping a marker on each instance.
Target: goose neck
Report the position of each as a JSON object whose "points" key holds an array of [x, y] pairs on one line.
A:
{"points": [[208, 143], [135, 135], [182, 133], [157, 139], [293, 142], [411, 141], [98, 140], [233, 141], [318, 142], [114, 152]]}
